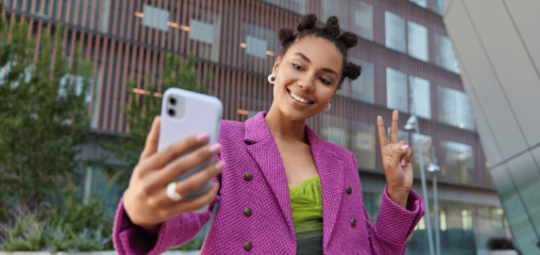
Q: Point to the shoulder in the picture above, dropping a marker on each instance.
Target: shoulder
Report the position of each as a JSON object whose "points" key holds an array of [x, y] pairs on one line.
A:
{"points": [[230, 130]]}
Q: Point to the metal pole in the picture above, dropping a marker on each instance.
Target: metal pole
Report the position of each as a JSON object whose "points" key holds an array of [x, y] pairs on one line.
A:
{"points": [[436, 207], [424, 190]]}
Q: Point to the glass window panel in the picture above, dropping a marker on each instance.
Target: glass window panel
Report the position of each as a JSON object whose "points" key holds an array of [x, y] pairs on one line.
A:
{"points": [[457, 161], [426, 143], [97, 97], [531, 196], [363, 87], [362, 19], [155, 17], [340, 9], [522, 229], [297, 6], [201, 31], [334, 130], [396, 90], [421, 3], [418, 41], [440, 7], [444, 54], [395, 32], [363, 144], [454, 108], [259, 42], [420, 97]]}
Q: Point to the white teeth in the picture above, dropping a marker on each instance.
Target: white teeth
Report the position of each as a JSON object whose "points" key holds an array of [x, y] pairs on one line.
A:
{"points": [[299, 98]]}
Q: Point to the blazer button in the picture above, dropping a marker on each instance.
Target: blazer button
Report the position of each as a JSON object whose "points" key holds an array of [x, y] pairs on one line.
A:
{"points": [[353, 222], [248, 176], [349, 190], [247, 212], [247, 246]]}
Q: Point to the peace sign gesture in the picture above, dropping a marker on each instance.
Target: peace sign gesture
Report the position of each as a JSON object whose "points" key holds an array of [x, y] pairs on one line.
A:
{"points": [[397, 162]]}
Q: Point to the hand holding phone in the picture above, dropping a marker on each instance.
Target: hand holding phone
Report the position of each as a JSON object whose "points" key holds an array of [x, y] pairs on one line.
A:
{"points": [[188, 161]]}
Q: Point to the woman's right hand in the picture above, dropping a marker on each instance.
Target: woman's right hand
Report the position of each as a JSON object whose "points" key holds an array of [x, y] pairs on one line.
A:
{"points": [[146, 201]]}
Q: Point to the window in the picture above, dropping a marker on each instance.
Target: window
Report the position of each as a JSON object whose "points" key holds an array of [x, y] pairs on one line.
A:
{"points": [[363, 144], [362, 19], [97, 97], [418, 41], [395, 32], [420, 97], [454, 108], [440, 7], [396, 90], [444, 54], [421, 3], [363, 87], [457, 161], [259, 42], [297, 6], [334, 130], [425, 142], [201, 31], [155, 17], [336, 8]]}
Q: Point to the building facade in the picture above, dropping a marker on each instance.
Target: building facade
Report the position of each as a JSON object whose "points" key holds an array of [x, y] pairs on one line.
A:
{"points": [[503, 87], [407, 60]]}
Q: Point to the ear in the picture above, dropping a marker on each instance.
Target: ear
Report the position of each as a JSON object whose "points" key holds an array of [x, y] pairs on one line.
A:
{"points": [[275, 69]]}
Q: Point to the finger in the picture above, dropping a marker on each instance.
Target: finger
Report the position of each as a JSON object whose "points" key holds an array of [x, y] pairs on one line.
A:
{"points": [[193, 204], [408, 155], [164, 157], [398, 154], [184, 164], [383, 140], [152, 139], [192, 183], [394, 130]]}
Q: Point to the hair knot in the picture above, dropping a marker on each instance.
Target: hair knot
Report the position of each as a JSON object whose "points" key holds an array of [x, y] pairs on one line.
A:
{"points": [[332, 27], [352, 71], [349, 39], [286, 36], [308, 22]]}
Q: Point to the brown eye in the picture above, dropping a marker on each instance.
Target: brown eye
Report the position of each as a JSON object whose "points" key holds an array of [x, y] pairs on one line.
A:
{"points": [[297, 67], [325, 81]]}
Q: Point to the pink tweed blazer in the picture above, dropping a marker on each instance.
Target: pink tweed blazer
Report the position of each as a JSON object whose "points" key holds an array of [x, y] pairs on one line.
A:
{"points": [[250, 147]]}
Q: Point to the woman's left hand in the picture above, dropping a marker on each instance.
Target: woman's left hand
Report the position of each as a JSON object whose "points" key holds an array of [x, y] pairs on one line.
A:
{"points": [[397, 162]]}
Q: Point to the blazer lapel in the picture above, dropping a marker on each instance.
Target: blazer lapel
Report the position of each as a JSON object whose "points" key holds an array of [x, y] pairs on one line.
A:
{"points": [[265, 152], [331, 174]]}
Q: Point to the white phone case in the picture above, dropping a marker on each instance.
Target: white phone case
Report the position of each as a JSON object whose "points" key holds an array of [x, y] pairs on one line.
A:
{"points": [[202, 113]]}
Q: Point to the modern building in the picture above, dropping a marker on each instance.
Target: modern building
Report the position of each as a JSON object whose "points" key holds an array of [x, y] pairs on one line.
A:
{"points": [[408, 65], [498, 46]]}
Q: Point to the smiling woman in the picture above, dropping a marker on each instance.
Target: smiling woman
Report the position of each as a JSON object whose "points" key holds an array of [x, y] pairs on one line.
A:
{"points": [[282, 189]]}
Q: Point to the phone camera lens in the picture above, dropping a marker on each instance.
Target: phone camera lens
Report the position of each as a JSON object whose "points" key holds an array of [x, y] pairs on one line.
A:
{"points": [[171, 112], [172, 100]]}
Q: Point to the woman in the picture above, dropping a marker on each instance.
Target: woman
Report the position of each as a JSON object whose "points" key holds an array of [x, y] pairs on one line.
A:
{"points": [[284, 190]]}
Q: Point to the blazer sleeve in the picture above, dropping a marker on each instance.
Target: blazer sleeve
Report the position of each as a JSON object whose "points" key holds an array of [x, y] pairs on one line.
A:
{"points": [[394, 223], [129, 238]]}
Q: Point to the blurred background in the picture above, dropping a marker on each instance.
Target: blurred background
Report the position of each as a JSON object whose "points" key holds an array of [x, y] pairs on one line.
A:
{"points": [[471, 125]]}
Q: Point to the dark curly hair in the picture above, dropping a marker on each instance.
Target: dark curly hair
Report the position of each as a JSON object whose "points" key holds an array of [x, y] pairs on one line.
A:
{"points": [[330, 32]]}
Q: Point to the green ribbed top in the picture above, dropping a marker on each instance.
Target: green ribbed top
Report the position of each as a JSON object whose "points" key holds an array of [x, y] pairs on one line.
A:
{"points": [[306, 207]]}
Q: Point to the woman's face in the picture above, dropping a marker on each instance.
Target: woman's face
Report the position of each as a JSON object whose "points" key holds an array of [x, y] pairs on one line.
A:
{"points": [[306, 77]]}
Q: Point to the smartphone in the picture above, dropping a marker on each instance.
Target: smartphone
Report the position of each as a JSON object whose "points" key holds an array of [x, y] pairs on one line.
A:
{"points": [[184, 113]]}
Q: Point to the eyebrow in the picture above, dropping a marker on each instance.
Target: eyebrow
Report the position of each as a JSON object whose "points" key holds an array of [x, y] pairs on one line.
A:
{"points": [[309, 61]]}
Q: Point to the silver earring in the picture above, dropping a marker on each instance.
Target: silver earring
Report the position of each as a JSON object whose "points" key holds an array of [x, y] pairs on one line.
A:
{"points": [[272, 78], [327, 108]]}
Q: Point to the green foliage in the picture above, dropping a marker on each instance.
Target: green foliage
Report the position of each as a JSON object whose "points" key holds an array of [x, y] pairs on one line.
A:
{"points": [[43, 115], [140, 113], [72, 226], [194, 244]]}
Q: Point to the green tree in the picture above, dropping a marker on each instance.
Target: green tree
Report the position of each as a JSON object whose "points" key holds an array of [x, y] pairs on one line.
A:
{"points": [[43, 115], [144, 106]]}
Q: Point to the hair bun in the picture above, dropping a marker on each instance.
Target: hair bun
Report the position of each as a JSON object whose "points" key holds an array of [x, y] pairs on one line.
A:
{"points": [[352, 71], [332, 27], [349, 39], [307, 22], [285, 35]]}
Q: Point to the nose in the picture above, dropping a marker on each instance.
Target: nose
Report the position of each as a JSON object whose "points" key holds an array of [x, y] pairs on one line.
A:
{"points": [[306, 84]]}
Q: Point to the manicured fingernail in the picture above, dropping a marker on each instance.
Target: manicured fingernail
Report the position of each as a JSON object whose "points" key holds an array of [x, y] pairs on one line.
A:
{"points": [[220, 165], [405, 147], [216, 186], [201, 136], [403, 162], [215, 147]]}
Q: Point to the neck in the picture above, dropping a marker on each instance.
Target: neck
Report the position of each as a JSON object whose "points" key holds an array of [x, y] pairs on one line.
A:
{"points": [[283, 127]]}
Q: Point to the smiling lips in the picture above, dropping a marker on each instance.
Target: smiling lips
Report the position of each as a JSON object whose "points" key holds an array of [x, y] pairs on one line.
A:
{"points": [[299, 99]]}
